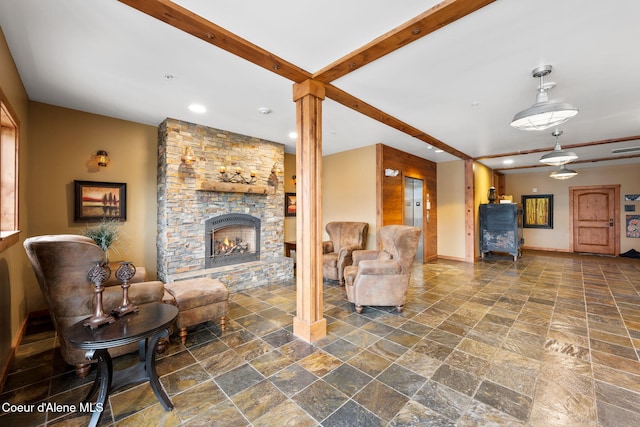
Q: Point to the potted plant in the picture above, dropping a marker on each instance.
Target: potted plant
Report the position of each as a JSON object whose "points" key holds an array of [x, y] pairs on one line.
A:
{"points": [[105, 234]]}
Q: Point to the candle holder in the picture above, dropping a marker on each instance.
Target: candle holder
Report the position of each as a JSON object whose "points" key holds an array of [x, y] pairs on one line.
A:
{"points": [[125, 272], [237, 176], [97, 275]]}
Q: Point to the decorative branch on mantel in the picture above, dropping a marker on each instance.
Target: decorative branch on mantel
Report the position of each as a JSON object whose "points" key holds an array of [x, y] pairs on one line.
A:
{"points": [[232, 187]]}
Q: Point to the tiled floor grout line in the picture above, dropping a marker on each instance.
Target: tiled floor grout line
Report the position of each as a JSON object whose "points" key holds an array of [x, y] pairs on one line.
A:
{"points": [[525, 329]]}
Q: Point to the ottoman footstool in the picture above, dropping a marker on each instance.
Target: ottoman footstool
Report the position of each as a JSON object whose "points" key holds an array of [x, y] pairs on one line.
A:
{"points": [[199, 300]]}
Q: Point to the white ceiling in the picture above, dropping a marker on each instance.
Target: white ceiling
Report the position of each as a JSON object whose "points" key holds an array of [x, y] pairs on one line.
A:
{"points": [[461, 84]]}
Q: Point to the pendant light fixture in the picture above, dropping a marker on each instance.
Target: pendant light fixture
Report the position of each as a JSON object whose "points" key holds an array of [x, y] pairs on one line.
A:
{"points": [[544, 113], [558, 156], [563, 173]]}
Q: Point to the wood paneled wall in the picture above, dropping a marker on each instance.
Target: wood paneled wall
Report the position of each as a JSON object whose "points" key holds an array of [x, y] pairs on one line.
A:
{"points": [[390, 191]]}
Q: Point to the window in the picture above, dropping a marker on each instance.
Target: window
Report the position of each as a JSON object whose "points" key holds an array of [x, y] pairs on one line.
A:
{"points": [[9, 136]]}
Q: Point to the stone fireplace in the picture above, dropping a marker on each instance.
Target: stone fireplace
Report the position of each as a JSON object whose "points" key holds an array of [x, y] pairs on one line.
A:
{"points": [[197, 212]]}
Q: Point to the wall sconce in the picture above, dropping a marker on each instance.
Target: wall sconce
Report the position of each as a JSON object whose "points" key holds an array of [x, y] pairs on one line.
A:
{"points": [[102, 157], [188, 158], [273, 178], [391, 172]]}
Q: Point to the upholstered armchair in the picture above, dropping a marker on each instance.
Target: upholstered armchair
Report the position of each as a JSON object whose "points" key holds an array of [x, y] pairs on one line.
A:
{"points": [[345, 237], [61, 263], [381, 278]]}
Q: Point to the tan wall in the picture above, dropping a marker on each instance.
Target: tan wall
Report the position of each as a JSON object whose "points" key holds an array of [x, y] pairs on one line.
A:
{"points": [[289, 187], [14, 267], [628, 176], [451, 238], [349, 189], [483, 179], [63, 142]]}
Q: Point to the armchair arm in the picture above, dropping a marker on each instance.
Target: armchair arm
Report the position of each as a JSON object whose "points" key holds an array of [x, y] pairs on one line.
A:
{"points": [[139, 293], [346, 251], [379, 267], [361, 255], [327, 247]]}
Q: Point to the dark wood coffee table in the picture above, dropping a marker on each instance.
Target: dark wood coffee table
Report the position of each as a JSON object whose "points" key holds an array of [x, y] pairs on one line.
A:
{"points": [[145, 327]]}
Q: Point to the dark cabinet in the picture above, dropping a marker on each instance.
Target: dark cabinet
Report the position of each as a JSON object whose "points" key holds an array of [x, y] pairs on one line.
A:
{"points": [[501, 229]]}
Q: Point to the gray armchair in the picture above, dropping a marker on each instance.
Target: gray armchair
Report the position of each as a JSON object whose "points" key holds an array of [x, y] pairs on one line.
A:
{"points": [[381, 278], [61, 263], [346, 237]]}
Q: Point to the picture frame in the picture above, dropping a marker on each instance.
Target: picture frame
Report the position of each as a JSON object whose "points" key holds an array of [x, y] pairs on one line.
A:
{"points": [[537, 211], [633, 226], [289, 204], [96, 201]]}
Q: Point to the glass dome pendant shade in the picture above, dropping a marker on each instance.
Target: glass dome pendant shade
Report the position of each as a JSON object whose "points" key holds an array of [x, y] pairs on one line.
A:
{"points": [[544, 113], [563, 173], [558, 156]]}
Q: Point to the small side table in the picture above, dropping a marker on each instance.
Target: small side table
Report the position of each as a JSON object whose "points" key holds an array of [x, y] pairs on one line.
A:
{"points": [[288, 247], [145, 327]]}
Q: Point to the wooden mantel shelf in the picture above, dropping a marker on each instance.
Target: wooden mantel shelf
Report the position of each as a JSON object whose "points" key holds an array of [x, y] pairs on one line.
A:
{"points": [[232, 187]]}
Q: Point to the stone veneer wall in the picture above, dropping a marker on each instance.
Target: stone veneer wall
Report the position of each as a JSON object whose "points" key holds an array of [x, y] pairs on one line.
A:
{"points": [[183, 210]]}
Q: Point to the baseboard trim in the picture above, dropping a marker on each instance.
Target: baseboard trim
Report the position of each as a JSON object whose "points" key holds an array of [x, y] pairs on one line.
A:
{"points": [[529, 248], [4, 370], [451, 258]]}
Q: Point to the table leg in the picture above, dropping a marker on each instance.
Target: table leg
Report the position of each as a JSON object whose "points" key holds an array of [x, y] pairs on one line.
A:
{"points": [[150, 367], [102, 383]]}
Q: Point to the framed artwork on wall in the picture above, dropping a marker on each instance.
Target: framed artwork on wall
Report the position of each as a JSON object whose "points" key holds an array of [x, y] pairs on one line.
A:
{"points": [[537, 211], [289, 204], [633, 226], [96, 201]]}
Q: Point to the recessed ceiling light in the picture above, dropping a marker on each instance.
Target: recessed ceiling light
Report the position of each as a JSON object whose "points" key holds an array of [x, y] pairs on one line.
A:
{"points": [[508, 161], [293, 135], [197, 108], [439, 151]]}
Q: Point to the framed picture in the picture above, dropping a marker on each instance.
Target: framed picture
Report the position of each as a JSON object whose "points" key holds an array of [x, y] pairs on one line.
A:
{"points": [[95, 201], [289, 204], [537, 211], [633, 226]]}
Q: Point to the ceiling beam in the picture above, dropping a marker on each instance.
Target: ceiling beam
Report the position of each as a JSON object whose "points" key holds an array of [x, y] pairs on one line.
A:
{"points": [[564, 147], [368, 110], [438, 16], [189, 22]]}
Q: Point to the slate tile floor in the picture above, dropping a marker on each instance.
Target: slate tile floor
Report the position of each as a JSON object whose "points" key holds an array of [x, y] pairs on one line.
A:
{"points": [[549, 340]]}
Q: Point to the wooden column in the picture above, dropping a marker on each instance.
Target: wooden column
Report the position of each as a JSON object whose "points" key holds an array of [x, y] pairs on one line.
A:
{"points": [[469, 212], [309, 323]]}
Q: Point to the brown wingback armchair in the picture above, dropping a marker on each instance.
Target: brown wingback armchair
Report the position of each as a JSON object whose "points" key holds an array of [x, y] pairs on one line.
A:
{"points": [[346, 237], [61, 263], [381, 278]]}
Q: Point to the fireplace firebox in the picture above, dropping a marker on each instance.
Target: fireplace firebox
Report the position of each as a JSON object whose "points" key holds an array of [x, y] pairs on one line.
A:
{"points": [[231, 239]]}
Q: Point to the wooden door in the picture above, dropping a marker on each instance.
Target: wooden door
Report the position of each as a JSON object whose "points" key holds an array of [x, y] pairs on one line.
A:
{"points": [[595, 219]]}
